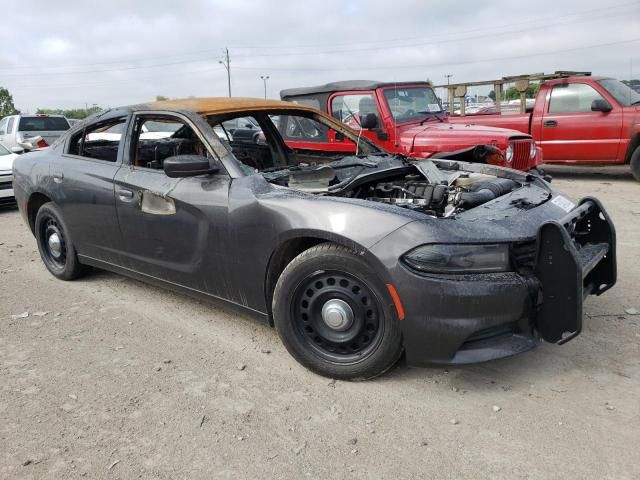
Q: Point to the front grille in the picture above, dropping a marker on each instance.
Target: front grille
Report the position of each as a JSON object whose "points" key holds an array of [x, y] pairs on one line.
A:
{"points": [[6, 185], [521, 151], [523, 255]]}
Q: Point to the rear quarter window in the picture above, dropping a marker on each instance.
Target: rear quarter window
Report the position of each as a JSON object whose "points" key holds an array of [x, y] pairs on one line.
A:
{"points": [[42, 124]]}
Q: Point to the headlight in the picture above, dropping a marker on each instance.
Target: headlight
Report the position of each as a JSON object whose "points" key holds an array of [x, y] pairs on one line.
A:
{"points": [[532, 150], [509, 153], [461, 258]]}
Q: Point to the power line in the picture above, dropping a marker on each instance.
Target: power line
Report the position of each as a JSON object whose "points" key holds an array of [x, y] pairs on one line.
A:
{"points": [[493, 33], [350, 68], [430, 65]]}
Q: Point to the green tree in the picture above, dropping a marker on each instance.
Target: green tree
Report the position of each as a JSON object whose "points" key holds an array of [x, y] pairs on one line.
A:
{"points": [[512, 93], [6, 103], [161, 98], [492, 95], [77, 113]]}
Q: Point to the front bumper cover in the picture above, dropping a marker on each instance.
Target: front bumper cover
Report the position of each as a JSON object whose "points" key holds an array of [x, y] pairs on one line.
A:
{"points": [[474, 318]]}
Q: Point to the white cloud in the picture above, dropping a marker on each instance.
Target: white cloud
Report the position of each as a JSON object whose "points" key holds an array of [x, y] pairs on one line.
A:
{"points": [[122, 52]]}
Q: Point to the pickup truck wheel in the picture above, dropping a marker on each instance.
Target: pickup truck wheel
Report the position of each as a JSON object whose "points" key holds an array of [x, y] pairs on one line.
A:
{"points": [[55, 245], [635, 163], [333, 315]]}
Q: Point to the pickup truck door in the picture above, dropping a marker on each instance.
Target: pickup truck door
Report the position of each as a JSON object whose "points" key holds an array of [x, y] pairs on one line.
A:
{"points": [[571, 132]]}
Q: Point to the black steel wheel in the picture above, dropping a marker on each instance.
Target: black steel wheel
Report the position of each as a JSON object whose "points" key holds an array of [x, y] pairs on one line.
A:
{"points": [[55, 245], [334, 315], [55, 248], [339, 315]]}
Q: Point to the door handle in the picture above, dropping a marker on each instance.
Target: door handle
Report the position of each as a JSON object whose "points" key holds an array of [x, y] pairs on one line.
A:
{"points": [[124, 194], [550, 123]]}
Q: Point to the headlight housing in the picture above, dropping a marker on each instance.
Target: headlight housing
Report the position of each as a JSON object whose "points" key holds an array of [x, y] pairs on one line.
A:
{"points": [[508, 155], [459, 258], [533, 150]]}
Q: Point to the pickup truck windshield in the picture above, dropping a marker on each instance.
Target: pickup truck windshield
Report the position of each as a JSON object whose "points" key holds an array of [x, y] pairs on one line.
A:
{"points": [[621, 92], [412, 103]]}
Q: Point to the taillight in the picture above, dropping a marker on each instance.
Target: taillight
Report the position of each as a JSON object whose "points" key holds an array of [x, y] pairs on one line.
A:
{"points": [[41, 143]]}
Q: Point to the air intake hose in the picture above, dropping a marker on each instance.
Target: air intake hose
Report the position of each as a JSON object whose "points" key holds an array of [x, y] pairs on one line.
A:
{"points": [[484, 191]]}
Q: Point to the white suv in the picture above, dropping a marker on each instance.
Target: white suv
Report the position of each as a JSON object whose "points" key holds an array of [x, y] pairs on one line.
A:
{"points": [[26, 132]]}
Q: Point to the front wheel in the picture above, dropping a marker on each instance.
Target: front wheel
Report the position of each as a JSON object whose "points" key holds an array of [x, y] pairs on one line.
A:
{"points": [[335, 316], [55, 245], [635, 163]]}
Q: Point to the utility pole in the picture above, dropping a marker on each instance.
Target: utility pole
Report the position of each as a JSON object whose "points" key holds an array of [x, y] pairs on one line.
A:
{"points": [[448, 76], [226, 63], [264, 81]]}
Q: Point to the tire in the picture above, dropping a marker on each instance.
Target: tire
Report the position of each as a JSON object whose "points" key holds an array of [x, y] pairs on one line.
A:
{"points": [[635, 163], [59, 255], [354, 342]]}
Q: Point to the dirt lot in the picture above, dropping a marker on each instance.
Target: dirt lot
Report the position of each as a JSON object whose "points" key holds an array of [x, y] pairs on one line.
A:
{"points": [[110, 378]]}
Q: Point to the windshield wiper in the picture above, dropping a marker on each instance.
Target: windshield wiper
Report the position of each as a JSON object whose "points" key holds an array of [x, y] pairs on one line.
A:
{"points": [[637, 102], [435, 114]]}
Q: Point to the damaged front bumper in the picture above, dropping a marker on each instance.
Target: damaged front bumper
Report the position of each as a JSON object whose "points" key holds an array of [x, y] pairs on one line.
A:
{"points": [[458, 319]]}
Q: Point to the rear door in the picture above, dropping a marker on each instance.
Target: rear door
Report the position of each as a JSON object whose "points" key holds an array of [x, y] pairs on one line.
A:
{"points": [[571, 132], [84, 175], [174, 229], [48, 127]]}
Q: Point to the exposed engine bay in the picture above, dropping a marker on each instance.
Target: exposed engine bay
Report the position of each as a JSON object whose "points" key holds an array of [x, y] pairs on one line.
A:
{"points": [[438, 188]]}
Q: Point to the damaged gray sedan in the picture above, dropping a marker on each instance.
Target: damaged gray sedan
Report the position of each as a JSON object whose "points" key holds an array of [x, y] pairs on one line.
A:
{"points": [[354, 254]]}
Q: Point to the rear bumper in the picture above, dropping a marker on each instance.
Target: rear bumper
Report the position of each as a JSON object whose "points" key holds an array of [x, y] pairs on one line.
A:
{"points": [[6, 189], [457, 319]]}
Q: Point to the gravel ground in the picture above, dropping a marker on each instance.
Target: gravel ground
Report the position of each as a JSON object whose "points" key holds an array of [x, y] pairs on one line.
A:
{"points": [[110, 378]]}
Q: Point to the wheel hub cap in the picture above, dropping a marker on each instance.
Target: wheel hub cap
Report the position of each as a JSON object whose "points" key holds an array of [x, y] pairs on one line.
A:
{"points": [[337, 315], [55, 245]]}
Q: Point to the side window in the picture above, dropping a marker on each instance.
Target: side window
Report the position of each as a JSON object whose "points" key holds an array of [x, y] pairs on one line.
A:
{"points": [[3, 126], [100, 141], [156, 138], [246, 140], [572, 98], [301, 129], [350, 108], [10, 124]]}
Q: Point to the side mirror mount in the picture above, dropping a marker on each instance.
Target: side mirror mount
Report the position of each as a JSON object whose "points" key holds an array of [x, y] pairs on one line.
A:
{"points": [[17, 150], [601, 105], [189, 166], [368, 121]]}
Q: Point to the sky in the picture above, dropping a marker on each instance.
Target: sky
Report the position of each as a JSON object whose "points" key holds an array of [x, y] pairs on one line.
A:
{"points": [[70, 54]]}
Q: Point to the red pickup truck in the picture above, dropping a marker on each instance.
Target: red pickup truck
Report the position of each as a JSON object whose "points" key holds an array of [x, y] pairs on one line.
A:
{"points": [[407, 118], [580, 120]]}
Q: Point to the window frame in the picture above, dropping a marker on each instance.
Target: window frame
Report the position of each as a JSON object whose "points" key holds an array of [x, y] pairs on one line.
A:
{"points": [[83, 131], [568, 86], [151, 114], [360, 93]]}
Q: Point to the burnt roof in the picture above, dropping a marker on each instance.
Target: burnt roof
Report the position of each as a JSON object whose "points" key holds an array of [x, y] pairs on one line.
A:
{"points": [[222, 105], [355, 85]]}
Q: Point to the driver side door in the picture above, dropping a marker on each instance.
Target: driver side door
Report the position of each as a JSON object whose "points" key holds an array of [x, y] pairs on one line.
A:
{"points": [[173, 229]]}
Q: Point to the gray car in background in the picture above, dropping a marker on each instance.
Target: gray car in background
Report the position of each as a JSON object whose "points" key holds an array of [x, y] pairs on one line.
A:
{"points": [[27, 132]]}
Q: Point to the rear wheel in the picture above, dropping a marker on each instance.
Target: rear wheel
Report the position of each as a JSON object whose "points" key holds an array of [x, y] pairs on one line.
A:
{"points": [[635, 163], [55, 245], [334, 315]]}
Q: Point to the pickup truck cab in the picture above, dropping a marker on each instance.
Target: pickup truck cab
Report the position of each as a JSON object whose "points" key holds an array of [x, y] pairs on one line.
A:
{"points": [[583, 120], [407, 118]]}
